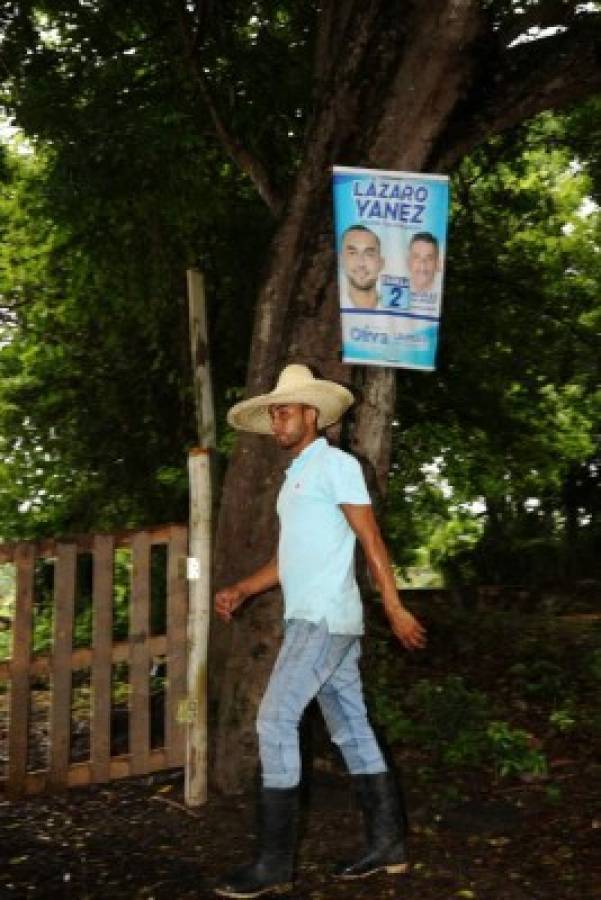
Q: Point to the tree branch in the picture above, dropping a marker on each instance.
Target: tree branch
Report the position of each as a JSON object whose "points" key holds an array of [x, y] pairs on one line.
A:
{"points": [[519, 83], [246, 161], [249, 164]]}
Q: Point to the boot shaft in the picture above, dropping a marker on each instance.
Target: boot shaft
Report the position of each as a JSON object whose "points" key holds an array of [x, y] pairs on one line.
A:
{"points": [[277, 814], [383, 809], [273, 867]]}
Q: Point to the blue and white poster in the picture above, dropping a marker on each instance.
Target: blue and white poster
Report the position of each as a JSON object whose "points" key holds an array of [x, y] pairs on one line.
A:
{"points": [[391, 236]]}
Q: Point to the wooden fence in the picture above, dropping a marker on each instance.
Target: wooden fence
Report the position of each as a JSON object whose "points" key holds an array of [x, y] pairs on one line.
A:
{"points": [[58, 665]]}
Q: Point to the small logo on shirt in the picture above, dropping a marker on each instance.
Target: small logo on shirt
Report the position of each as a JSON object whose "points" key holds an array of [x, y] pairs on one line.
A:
{"points": [[297, 486]]}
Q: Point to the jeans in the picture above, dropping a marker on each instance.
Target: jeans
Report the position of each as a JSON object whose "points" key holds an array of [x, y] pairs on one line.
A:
{"points": [[314, 663]]}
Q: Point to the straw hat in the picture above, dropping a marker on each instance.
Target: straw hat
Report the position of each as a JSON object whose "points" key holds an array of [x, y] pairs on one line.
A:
{"points": [[296, 384]]}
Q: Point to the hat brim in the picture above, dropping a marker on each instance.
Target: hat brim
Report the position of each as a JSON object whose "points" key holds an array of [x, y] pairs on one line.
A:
{"points": [[331, 401]]}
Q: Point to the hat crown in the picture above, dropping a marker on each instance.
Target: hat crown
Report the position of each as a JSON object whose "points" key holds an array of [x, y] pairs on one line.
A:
{"points": [[293, 376]]}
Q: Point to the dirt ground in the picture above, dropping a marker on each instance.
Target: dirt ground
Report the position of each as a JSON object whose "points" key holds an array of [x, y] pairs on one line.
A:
{"points": [[135, 839], [472, 835]]}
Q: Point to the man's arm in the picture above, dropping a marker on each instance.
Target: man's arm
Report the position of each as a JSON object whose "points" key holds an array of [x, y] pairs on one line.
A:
{"points": [[228, 599], [404, 625]]}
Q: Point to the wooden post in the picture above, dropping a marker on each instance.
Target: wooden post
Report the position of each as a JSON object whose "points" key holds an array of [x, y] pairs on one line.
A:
{"points": [[199, 549], [201, 369]]}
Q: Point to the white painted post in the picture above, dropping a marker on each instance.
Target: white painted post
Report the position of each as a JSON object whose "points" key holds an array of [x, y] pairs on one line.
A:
{"points": [[200, 547]]}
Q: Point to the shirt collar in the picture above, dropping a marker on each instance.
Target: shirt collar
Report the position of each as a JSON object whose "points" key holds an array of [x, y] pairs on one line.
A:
{"points": [[300, 461]]}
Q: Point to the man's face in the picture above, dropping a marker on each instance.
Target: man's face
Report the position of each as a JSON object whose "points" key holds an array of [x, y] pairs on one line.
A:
{"points": [[361, 259], [293, 425], [423, 265]]}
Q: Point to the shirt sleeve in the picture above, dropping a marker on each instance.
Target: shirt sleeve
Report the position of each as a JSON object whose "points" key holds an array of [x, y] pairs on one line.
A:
{"points": [[346, 480]]}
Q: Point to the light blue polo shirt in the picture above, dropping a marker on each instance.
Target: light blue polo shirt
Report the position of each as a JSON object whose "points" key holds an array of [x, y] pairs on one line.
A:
{"points": [[317, 545]]}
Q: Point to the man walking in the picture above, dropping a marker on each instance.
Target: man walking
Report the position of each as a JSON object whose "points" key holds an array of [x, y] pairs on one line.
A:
{"points": [[323, 506]]}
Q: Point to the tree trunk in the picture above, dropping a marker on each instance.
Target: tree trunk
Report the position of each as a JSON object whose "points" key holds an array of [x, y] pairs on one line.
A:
{"points": [[380, 107]]}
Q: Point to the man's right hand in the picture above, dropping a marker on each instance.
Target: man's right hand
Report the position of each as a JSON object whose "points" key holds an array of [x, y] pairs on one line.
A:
{"points": [[227, 601]]}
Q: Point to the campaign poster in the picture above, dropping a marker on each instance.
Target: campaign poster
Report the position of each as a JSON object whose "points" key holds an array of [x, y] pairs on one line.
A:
{"points": [[391, 236]]}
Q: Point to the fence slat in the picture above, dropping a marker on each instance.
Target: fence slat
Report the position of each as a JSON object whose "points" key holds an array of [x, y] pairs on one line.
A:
{"points": [[102, 654], [21, 659], [60, 715], [139, 722], [177, 618]]}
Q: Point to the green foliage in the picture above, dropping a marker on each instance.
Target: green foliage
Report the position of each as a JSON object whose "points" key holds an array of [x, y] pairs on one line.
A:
{"points": [[563, 720], [7, 600], [541, 678], [592, 665], [512, 751], [553, 794], [496, 464], [122, 575], [89, 408], [125, 190], [43, 607], [498, 691], [127, 187], [453, 722], [120, 686], [447, 708], [5, 644]]}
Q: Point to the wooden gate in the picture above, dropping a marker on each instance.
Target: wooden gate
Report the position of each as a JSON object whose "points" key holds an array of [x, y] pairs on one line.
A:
{"points": [[148, 655]]}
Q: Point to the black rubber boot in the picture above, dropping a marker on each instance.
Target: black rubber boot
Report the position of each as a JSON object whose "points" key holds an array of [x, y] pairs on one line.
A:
{"points": [[385, 828], [273, 869]]}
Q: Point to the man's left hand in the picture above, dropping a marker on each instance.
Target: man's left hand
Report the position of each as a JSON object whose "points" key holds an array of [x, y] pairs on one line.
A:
{"points": [[407, 629]]}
